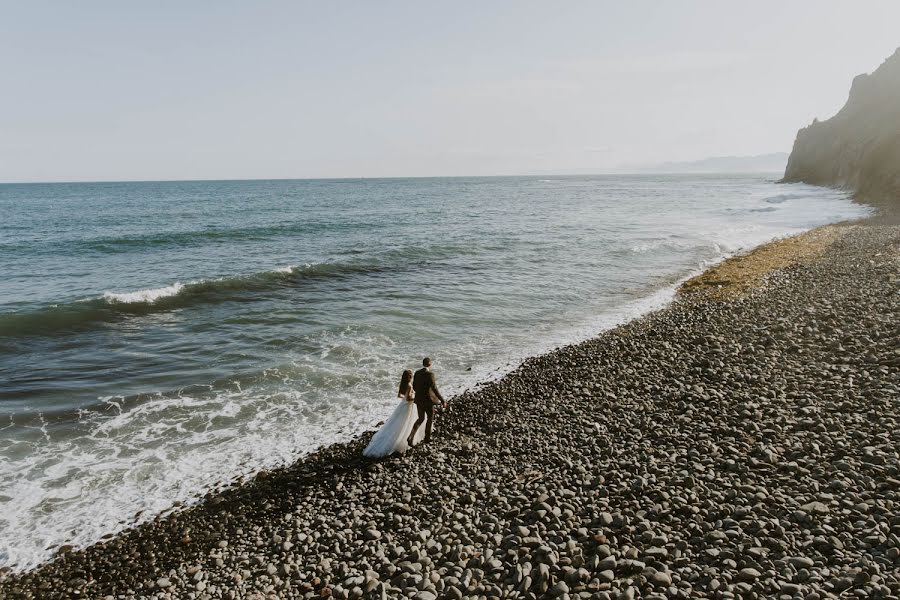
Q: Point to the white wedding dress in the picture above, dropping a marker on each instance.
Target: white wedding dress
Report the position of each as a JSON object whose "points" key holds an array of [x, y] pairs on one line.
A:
{"points": [[392, 436]]}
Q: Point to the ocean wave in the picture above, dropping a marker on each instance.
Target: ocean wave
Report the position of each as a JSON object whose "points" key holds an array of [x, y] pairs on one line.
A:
{"points": [[181, 239], [780, 198], [112, 305], [108, 406], [148, 296], [670, 245]]}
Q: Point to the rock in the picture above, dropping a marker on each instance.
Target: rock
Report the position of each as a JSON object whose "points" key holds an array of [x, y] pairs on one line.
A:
{"points": [[559, 589], [815, 508], [660, 579], [628, 593], [840, 584], [716, 536], [801, 562], [608, 563]]}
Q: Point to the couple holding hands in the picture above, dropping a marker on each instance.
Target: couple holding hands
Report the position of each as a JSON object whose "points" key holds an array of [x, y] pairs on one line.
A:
{"points": [[403, 429]]}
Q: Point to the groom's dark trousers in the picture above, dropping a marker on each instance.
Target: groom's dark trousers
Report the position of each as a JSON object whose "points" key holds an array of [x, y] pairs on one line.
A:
{"points": [[425, 387], [425, 410]]}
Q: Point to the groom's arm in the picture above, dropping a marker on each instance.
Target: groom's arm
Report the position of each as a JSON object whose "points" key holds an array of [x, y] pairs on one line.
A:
{"points": [[434, 388]]}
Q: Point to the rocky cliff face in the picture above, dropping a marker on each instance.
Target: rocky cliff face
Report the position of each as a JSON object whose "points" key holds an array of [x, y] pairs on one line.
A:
{"points": [[858, 148]]}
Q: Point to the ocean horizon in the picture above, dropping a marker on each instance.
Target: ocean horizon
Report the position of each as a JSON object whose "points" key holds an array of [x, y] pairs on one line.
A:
{"points": [[776, 174]]}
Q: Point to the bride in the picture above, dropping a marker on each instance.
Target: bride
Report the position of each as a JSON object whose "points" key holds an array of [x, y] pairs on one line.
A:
{"points": [[392, 435]]}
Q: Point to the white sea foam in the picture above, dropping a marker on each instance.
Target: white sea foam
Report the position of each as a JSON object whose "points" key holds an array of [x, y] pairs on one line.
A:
{"points": [[152, 295], [148, 296], [669, 244]]}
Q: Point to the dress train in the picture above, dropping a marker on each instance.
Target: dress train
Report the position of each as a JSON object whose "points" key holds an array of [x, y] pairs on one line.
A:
{"points": [[392, 436]]}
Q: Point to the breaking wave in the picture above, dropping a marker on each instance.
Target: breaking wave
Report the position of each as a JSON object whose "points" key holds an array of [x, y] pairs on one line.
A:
{"points": [[111, 306]]}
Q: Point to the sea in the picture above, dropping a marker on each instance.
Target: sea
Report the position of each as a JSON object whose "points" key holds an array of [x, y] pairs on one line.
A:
{"points": [[160, 339]]}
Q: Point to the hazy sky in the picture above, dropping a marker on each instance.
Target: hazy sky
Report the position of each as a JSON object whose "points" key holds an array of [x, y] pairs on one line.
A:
{"points": [[208, 90]]}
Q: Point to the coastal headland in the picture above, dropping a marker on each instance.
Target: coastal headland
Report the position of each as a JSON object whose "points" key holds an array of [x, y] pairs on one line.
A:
{"points": [[857, 149], [742, 442]]}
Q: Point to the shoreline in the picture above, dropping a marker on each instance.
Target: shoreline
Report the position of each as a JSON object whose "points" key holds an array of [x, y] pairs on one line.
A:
{"points": [[657, 299], [655, 295], [188, 538]]}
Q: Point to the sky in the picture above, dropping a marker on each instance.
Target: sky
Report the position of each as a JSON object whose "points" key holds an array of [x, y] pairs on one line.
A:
{"points": [[164, 90]]}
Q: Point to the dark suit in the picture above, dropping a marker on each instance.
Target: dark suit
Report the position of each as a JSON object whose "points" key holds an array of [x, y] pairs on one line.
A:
{"points": [[426, 391]]}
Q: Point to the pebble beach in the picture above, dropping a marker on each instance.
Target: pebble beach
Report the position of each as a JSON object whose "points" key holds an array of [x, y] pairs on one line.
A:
{"points": [[743, 442]]}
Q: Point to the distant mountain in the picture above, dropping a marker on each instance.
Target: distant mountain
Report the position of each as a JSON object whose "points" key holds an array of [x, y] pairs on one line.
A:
{"points": [[859, 147], [762, 163]]}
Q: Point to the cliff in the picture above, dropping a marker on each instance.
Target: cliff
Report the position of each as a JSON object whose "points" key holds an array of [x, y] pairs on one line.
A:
{"points": [[859, 147]]}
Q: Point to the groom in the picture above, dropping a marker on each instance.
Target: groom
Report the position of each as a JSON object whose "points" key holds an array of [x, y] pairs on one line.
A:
{"points": [[426, 391]]}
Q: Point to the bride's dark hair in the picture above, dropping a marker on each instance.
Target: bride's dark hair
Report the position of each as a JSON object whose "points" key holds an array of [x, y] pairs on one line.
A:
{"points": [[404, 382]]}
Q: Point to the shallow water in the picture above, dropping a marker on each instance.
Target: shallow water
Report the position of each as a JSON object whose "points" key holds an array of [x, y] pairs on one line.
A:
{"points": [[159, 338]]}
